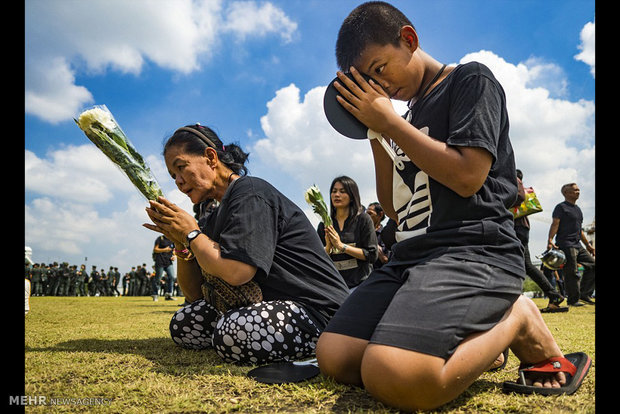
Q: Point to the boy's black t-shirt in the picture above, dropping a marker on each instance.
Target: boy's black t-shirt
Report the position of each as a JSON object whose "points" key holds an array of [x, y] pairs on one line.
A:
{"points": [[569, 230], [468, 108], [257, 225]]}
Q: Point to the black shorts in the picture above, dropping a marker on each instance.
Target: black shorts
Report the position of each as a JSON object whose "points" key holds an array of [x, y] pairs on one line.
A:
{"points": [[430, 307]]}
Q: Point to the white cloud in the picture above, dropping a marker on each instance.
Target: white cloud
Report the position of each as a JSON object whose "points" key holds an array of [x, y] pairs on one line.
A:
{"points": [[51, 93], [63, 37], [587, 46], [245, 18]]}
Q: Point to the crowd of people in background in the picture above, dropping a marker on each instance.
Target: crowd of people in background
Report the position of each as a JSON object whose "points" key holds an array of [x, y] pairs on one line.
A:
{"points": [[62, 279]]}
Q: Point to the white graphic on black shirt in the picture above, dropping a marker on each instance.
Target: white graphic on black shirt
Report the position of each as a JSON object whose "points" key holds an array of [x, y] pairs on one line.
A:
{"points": [[411, 196]]}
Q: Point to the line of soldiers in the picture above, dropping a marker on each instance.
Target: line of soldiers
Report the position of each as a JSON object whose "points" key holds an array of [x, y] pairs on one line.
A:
{"points": [[64, 280]]}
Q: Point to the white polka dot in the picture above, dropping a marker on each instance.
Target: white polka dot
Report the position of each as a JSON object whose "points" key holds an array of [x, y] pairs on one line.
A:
{"points": [[294, 308], [280, 315], [180, 316], [198, 327], [264, 314], [248, 327], [256, 345], [228, 340], [255, 335], [234, 315], [199, 318], [235, 349], [195, 333], [279, 337], [241, 320], [288, 328], [266, 345], [242, 335]]}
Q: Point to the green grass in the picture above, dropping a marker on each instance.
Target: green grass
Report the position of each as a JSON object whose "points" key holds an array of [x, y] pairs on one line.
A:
{"points": [[116, 355]]}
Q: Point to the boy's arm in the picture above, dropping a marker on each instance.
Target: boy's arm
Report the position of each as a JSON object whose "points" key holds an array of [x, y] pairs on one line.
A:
{"points": [[462, 169]]}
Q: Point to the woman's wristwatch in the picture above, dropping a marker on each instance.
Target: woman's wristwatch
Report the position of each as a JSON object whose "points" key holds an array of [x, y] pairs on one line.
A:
{"points": [[191, 236]]}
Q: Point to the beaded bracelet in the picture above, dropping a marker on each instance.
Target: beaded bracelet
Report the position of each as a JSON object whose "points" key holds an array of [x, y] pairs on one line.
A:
{"points": [[185, 254]]}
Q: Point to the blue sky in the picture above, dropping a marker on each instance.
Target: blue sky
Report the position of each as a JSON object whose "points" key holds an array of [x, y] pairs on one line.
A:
{"points": [[255, 71]]}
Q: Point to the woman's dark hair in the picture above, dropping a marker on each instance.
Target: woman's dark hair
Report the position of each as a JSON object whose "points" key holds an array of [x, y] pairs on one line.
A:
{"points": [[350, 186], [374, 22], [196, 138]]}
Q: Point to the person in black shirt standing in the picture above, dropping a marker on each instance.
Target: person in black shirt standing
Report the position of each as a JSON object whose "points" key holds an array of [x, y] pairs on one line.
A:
{"points": [[350, 241], [567, 230], [255, 236], [162, 253]]}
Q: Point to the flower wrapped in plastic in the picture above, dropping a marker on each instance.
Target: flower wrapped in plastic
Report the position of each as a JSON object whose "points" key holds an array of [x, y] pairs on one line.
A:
{"points": [[314, 197], [102, 129]]}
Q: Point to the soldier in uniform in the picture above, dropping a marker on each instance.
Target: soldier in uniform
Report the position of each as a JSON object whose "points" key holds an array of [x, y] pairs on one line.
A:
{"points": [[105, 283], [36, 280], [93, 281], [125, 284], [52, 280], [44, 278], [81, 281], [143, 279], [63, 279]]}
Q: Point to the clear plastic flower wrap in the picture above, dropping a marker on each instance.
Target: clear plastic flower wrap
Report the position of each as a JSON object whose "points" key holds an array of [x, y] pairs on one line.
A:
{"points": [[102, 130], [314, 197]]}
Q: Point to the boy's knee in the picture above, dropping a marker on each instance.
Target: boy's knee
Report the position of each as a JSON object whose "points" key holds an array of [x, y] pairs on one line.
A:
{"points": [[340, 357], [397, 383]]}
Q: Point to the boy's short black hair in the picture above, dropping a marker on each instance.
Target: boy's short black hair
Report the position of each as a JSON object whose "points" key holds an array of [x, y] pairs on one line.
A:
{"points": [[372, 22]]}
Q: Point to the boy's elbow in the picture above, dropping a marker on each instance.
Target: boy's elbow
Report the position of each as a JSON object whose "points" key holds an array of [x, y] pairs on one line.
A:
{"points": [[467, 187]]}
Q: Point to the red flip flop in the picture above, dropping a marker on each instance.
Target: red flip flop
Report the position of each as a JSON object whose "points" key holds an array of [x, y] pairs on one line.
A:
{"points": [[575, 366]]}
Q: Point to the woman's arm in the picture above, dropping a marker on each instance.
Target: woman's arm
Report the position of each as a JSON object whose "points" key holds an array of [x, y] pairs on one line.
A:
{"points": [[189, 279], [333, 235], [209, 257], [175, 223]]}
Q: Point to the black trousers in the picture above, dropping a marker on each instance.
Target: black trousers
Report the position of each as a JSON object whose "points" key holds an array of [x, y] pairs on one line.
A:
{"points": [[576, 288]]}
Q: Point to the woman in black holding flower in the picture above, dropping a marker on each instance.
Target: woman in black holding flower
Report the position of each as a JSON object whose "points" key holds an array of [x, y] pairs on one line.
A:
{"points": [[256, 235], [350, 241]]}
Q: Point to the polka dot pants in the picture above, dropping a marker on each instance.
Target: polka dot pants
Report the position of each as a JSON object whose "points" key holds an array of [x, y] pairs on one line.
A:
{"points": [[261, 333]]}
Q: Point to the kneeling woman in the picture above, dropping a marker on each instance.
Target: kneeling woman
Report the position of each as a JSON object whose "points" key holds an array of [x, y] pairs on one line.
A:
{"points": [[256, 236]]}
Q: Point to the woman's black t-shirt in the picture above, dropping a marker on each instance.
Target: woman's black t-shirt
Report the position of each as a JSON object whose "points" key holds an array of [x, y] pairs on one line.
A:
{"points": [[257, 225], [358, 231]]}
